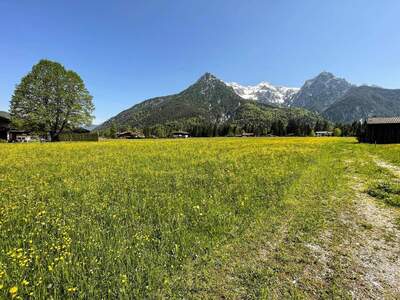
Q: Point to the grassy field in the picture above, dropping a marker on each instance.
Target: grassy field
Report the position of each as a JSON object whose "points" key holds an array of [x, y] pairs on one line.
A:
{"points": [[196, 218]]}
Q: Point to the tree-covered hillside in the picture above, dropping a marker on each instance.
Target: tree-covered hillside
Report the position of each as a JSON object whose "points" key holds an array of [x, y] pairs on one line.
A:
{"points": [[209, 108], [363, 102]]}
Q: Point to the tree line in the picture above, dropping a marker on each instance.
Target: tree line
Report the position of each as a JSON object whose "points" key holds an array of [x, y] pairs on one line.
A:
{"points": [[277, 128], [51, 99]]}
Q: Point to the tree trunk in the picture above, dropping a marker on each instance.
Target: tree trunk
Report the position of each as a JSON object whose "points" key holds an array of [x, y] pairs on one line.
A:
{"points": [[54, 136]]}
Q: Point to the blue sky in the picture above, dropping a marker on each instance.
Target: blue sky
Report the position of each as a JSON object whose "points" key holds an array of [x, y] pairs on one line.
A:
{"points": [[128, 51]]}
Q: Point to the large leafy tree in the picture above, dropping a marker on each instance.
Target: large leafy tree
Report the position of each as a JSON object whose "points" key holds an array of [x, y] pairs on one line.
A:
{"points": [[51, 99]]}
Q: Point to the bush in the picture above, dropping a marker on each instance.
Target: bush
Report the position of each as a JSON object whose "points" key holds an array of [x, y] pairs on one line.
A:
{"points": [[77, 137], [387, 192], [337, 132]]}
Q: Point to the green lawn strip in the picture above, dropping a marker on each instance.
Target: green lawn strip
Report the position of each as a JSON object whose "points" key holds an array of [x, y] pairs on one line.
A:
{"points": [[272, 259]]}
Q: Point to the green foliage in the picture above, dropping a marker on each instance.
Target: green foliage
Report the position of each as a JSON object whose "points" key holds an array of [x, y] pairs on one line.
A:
{"points": [[359, 102], [337, 132], [75, 137], [386, 191], [349, 129], [51, 99]]}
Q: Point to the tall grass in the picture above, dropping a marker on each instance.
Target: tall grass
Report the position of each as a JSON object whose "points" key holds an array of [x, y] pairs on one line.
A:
{"points": [[124, 218]]}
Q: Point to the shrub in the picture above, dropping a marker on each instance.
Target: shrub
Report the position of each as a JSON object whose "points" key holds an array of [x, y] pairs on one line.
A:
{"points": [[387, 192], [76, 137], [337, 132]]}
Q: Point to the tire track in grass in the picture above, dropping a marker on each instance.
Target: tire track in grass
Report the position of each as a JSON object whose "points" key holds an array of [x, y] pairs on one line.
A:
{"points": [[372, 245], [395, 170], [281, 258]]}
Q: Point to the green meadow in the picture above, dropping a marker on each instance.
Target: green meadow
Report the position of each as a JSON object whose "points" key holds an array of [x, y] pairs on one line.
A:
{"points": [[194, 218]]}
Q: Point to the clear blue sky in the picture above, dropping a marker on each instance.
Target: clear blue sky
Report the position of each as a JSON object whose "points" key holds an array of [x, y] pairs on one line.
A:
{"points": [[128, 51]]}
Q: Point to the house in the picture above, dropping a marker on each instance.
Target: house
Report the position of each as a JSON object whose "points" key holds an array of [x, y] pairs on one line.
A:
{"points": [[248, 134], [80, 130], [323, 133], [19, 136], [245, 134], [180, 134], [130, 135], [383, 130], [5, 121]]}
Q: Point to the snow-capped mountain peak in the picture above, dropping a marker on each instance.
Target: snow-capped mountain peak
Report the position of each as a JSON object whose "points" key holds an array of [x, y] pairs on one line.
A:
{"points": [[265, 92]]}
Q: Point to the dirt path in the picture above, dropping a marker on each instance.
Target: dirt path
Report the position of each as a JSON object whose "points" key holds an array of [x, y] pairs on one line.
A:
{"points": [[374, 246]]}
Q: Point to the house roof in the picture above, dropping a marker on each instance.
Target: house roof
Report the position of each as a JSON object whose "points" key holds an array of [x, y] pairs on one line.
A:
{"points": [[129, 133], [80, 130], [392, 120], [5, 115]]}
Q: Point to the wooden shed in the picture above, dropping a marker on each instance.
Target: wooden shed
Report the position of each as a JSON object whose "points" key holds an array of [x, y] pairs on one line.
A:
{"points": [[383, 130]]}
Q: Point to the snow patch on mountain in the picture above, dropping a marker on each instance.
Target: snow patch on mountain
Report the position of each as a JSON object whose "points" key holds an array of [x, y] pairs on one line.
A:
{"points": [[265, 92]]}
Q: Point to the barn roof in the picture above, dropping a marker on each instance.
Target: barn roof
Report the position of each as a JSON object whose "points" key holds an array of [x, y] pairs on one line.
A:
{"points": [[5, 115], [392, 120]]}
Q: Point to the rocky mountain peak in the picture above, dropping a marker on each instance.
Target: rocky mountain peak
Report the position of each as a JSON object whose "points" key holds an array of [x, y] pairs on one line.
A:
{"points": [[319, 93], [207, 77]]}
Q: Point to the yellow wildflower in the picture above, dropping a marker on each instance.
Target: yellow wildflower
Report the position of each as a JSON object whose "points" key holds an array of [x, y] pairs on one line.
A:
{"points": [[124, 279], [25, 282], [13, 290]]}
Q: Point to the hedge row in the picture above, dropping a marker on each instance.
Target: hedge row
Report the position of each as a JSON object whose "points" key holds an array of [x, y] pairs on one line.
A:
{"points": [[75, 137]]}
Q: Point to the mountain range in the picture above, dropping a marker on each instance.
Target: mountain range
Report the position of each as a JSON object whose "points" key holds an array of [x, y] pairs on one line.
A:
{"points": [[213, 101], [210, 102], [265, 92], [334, 98]]}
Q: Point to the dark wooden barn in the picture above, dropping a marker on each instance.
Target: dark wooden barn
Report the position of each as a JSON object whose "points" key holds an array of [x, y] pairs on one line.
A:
{"points": [[383, 130], [5, 122]]}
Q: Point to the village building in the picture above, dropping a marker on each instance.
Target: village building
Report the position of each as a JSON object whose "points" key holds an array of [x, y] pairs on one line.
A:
{"points": [[19, 136], [383, 130], [180, 134], [248, 134], [323, 133], [5, 122], [130, 135], [245, 134], [80, 130], [9, 134]]}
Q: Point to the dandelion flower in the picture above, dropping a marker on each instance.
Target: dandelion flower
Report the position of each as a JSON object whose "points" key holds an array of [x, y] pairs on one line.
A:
{"points": [[13, 290], [72, 290]]}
